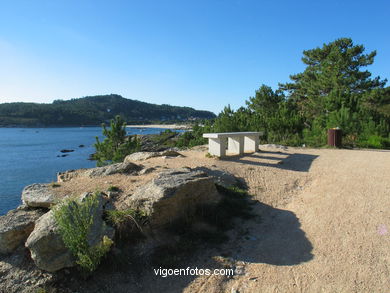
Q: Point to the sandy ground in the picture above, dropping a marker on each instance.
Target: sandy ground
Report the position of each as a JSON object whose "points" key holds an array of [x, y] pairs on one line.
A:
{"points": [[325, 223], [167, 126]]}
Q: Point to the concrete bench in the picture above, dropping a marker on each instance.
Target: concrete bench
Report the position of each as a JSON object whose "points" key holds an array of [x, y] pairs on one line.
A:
{"points": [[237, 142]]}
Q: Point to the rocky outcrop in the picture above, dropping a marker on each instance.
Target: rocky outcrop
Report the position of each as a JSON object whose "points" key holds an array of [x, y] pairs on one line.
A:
{"points": [[220, 177], [47, 247], [39, 195], [68, 175], [141, 156], [15, 227], [174, 194], [119, 168]]}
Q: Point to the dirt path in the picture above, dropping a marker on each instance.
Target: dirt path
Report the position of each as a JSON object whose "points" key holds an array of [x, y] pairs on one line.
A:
{"points": [[323, 225], [325, 222]]}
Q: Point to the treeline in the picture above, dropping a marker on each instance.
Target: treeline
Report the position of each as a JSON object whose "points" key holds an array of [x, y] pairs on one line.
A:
{"points": [[334, 90], [94, 110]]}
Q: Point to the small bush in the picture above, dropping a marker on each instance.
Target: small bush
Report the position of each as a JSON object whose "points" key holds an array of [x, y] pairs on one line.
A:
{"points": [[113, 188], [374, 141], [55, 184], [118, 217], [116, 146], [127, 222], [75, 220]]}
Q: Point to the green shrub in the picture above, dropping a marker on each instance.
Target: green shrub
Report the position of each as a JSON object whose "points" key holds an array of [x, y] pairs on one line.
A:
{"points": [[118, 217], [128, 223], [116, 146], [374, 141], [74, 220], [55, 184], [113, 188]]}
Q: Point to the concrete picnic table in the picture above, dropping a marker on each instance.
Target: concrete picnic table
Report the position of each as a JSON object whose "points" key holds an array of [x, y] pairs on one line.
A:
{"points": [[238, 143]]}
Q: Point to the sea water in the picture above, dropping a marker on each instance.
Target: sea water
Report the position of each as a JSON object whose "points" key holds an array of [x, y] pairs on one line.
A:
{"points": [[32, 155]]}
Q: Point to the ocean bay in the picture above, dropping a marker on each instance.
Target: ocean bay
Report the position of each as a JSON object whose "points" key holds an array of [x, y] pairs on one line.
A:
{"points": [[33, 155]]}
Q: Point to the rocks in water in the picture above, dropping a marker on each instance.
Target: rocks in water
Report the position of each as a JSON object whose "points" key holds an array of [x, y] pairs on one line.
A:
{"points": [[174, 194], [141, 156], [47, 247], [66, 151], [39, 195], [15, 227], [81, 146], [62, 156]]}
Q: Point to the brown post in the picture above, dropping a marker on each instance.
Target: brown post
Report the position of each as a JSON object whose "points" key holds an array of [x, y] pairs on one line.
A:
{"points": [[334, 137]]}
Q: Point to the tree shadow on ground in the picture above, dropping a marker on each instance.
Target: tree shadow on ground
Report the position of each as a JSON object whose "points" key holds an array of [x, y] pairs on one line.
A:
{"points": [[277, 240], [274, 237], [280, 160]]}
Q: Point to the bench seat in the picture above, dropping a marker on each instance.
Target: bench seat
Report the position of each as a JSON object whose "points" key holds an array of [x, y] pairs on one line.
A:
{"points": [[237, 142]]}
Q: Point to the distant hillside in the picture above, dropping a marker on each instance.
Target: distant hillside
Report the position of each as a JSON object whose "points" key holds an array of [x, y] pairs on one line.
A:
{"points": [[93, 110]]}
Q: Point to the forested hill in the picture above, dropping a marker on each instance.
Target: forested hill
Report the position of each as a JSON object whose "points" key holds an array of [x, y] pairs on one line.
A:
{"points": [[93, 110]]}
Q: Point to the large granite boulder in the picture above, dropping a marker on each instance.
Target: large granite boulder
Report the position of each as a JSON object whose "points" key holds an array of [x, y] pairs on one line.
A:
{"points": [[15, 227], [47, 247], [220, 177], [174, 194], [39, 195]]}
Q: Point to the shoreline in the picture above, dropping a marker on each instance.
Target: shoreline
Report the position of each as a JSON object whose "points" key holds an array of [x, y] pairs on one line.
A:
{"points": [[165, 126]]}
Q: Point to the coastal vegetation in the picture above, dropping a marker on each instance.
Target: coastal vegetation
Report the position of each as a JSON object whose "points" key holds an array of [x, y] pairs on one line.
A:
{"points": [[334, 90], [116, 146], [94, 110], [75, 221]]}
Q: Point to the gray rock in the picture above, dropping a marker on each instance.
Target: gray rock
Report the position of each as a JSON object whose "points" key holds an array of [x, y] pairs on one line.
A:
{"points": [[15, 227], [122, 168], [220, 177], [45, 243], [119, 168], [46, 246], [99, 227], [68, 175], [169, 153], [174, 194], [39, 195], [140, 156], [146, 171]]}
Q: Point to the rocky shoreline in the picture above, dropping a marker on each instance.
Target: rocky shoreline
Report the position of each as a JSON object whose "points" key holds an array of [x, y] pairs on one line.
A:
{"points": [[32, 252]]}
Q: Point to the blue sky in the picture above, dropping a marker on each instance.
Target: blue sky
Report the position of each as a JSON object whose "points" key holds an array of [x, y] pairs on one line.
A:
{"points": [[203, 54]]}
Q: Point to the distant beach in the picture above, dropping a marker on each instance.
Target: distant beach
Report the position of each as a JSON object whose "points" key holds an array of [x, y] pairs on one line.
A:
{"points": [[167, 126]]}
